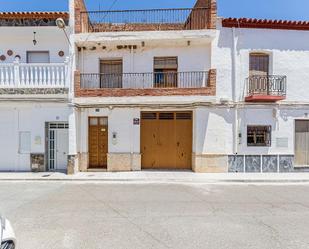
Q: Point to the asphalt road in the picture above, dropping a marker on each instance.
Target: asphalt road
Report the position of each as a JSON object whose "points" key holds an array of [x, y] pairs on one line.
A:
{"points": [[61, 215]]}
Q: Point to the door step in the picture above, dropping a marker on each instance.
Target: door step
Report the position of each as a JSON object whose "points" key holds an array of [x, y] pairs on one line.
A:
{"points": [[97, 170], [301, 169]]}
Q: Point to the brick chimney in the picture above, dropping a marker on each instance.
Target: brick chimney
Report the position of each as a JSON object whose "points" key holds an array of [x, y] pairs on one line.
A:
{"points": [[81, 20], [212, 5]]}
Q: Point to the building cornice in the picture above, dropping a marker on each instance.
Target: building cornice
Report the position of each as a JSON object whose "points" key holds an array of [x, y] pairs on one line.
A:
{"points": [[33, 15]]}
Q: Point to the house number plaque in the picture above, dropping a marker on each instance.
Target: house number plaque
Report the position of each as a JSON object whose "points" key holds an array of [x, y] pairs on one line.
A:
{"points": [[136, 121]]}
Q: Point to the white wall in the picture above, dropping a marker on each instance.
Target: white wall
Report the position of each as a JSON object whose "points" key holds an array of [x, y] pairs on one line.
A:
{"points": [[213, 131], [288, 52], [190, 58], [120, 121], [19, 40], [282, 121], [16, 118]]}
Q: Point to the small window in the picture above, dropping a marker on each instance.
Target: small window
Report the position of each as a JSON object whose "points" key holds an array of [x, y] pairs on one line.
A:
{"points": [[149, 115], [166, 115], [165, 72], [38, 57], [259, 135], [259, 64], [111, 73]]}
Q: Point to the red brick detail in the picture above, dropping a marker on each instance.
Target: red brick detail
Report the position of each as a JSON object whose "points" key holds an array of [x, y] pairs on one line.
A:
{"points": [[77, 88], [264, 98], [34, 15], [209, 90], [212, 80], [264, 24], [204, 18], [212, 11], [81, 16]]}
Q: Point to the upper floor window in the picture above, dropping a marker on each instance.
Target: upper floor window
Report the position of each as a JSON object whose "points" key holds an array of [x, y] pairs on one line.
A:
{"points": [[165, 72], [259, 64], [111, 73], [38, 57], [259, 135]]}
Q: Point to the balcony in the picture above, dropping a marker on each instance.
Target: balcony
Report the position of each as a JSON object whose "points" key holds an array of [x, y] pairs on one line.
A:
{"points": [[271, 88], [145, 84], [145, 20], [23, 77]]}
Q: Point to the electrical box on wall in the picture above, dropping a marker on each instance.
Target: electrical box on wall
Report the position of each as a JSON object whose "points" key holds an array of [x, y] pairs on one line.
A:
{"points": [[239, 138], [114, 138]]}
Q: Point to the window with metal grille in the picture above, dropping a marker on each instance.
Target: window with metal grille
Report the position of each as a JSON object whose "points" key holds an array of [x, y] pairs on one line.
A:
{"points": [[259, 135], [165, 72], [58, 125]]}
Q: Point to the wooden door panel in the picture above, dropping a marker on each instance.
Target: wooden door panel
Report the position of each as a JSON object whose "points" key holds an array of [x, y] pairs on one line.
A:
{"points": [[98, 143], [166, 143], [184, 143], [149, 148]]}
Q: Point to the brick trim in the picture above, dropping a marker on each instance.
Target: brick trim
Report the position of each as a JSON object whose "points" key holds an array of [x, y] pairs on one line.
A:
{"points": [[212, 11], [80, 17], [264, 24], [212, 80]]}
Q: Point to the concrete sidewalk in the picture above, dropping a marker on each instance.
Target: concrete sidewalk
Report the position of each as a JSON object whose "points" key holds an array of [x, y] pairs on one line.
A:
{"points": [[160, 176]]}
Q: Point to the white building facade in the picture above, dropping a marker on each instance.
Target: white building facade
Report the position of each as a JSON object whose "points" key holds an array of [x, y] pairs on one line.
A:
{"points": [[34, 92], [177, 89], [200, 92]]}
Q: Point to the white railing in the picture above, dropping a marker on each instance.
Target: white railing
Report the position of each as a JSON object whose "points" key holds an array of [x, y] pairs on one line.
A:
{"points": [[35, 75]]}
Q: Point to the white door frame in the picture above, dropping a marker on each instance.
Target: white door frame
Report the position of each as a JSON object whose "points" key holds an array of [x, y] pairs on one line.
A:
{"points": [[52, 143]]}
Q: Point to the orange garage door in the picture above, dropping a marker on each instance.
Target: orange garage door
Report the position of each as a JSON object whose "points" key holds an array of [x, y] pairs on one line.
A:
{"points": [[166, 140]]}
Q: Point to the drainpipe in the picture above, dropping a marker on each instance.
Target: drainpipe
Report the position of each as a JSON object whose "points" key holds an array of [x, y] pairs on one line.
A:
{"points": [[234, 82], [132, 133]]}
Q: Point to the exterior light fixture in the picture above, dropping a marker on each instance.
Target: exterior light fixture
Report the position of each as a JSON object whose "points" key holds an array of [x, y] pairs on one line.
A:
{"points": [[60, 23], [34, 39]]}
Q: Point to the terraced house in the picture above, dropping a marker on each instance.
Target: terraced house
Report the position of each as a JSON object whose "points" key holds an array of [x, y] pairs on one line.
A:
{"points": [[175, 89], [34, 90]]}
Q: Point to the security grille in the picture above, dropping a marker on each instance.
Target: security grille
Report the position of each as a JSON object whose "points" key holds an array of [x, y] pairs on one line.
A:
{"points": [[51, 141]]}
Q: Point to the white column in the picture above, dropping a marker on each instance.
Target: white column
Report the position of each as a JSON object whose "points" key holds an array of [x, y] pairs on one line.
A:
{"points": [[16, 72]]}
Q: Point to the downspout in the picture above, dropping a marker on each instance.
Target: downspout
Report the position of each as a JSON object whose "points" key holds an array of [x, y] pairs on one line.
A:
{"points": [[132, 133], [234, 82]]}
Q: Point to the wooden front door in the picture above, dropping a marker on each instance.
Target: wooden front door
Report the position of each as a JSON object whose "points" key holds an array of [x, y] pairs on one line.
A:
{"points": [[166, 140], [98, 142], [302, 142]]}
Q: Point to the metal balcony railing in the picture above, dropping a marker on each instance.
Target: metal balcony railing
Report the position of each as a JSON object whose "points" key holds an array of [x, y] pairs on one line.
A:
{"points": [[142, 20], [144, 80], [36, 75], [270, 85]]}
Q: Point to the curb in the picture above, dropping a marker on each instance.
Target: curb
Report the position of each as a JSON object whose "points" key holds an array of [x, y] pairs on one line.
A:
{"points": [[170, 180]]}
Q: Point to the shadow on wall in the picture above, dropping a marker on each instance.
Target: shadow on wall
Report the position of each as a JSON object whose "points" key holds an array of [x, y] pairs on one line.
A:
{"points": [[265, 39]]}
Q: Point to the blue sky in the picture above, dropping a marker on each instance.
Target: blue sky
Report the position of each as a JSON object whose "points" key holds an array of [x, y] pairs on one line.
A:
{"points": [[271, 9]]}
